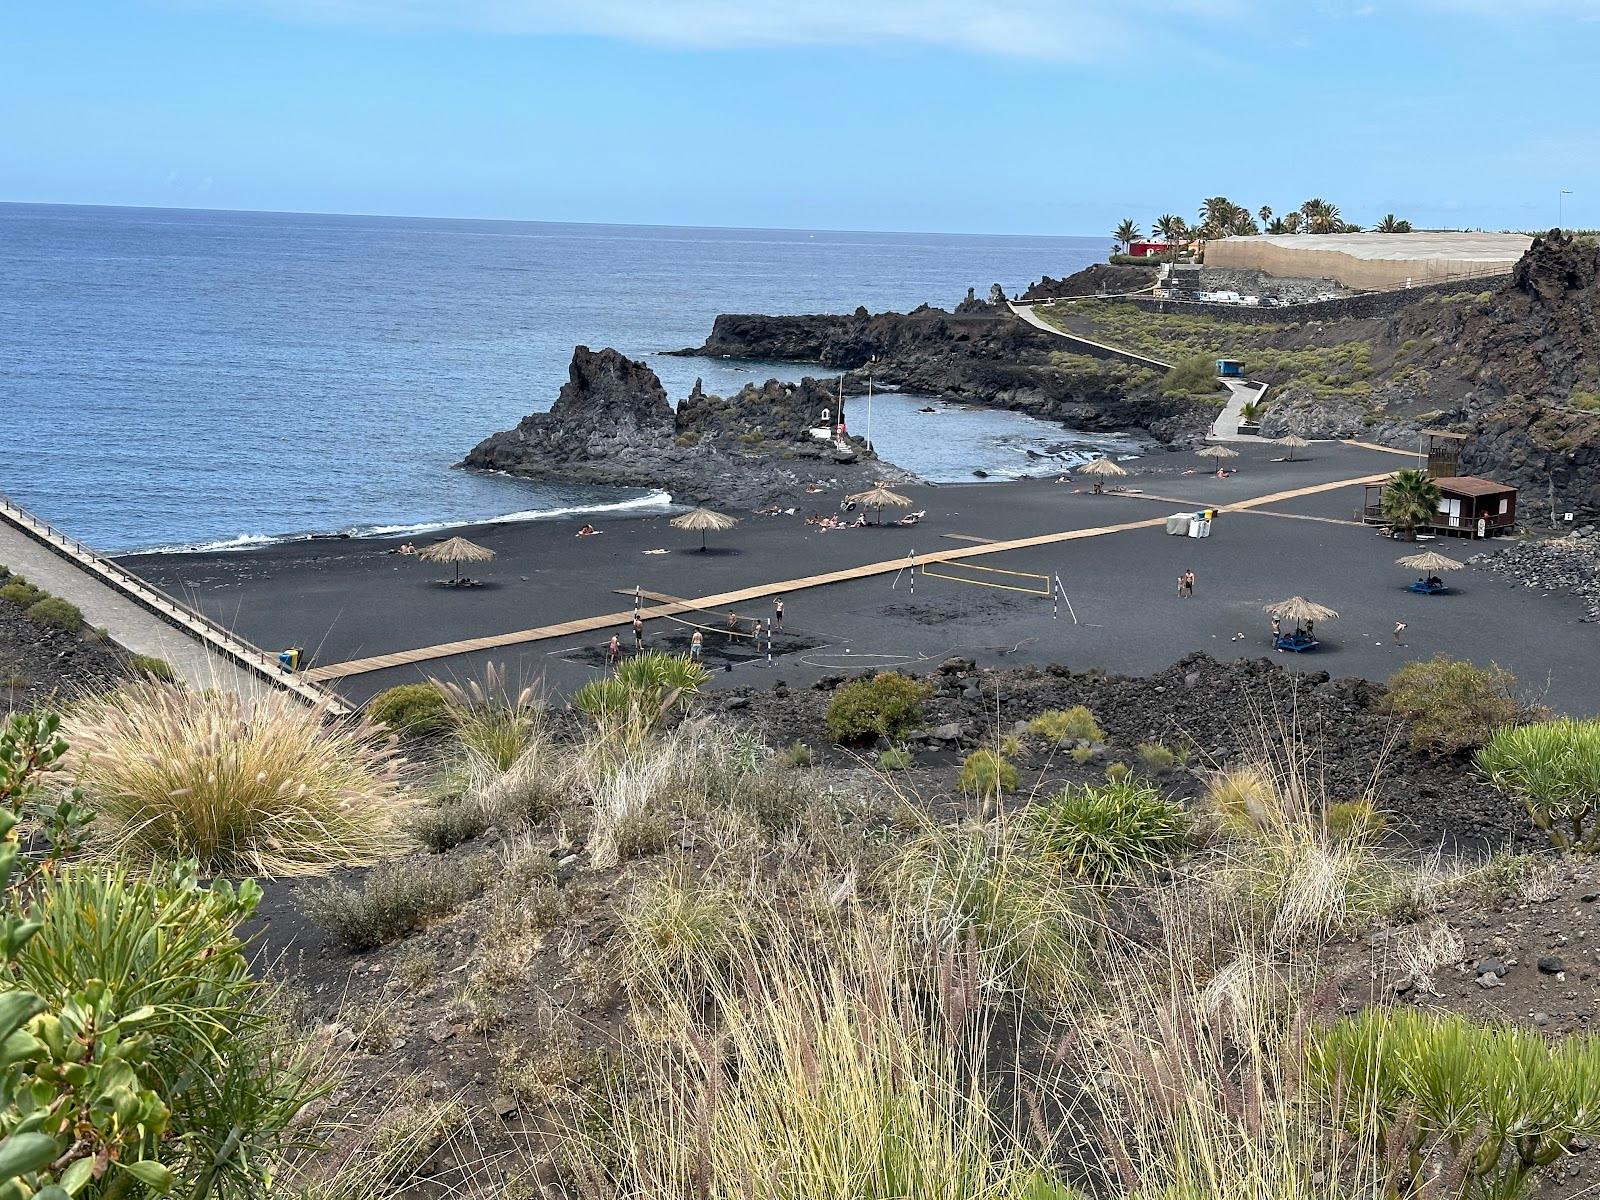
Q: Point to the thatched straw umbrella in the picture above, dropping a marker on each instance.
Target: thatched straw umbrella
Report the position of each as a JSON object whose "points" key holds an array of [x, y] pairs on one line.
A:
{"points": [[1102, 469], [1294, 442], [1301, 611], [880, 498], [1430, 562], [704, 519], [456, 550]]}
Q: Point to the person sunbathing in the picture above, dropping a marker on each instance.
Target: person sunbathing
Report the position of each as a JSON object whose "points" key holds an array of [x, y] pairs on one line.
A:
{"points": [[587, 531]]}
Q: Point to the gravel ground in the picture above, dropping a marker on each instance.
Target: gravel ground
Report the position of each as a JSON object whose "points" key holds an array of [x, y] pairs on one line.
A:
{"points": [[38, 662], [1568, 564]]}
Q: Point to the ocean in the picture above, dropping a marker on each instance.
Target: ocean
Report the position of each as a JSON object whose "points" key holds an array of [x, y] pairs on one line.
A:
{"points": [[179, 379]]}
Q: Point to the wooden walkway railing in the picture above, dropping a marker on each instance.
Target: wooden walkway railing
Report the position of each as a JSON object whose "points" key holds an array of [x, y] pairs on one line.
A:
{"points": [[214, 637]]}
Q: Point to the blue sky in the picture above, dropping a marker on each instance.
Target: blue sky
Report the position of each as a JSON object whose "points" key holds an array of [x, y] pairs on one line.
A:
{"points": [[986, 116]]}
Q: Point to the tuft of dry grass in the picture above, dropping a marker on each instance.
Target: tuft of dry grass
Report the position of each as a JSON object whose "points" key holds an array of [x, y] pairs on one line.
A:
{"points": [[265, 787]]}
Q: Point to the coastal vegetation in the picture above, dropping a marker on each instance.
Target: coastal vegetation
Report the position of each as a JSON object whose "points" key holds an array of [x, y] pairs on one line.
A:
{"points": [[634, 948], [1194, 343], [1219, 217]]}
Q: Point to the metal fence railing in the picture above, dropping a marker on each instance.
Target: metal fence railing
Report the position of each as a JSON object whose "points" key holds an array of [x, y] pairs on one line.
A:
{"points": [[217, 638]]}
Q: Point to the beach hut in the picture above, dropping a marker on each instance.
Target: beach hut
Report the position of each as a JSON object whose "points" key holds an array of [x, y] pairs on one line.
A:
{"points": [[1305, 614], [456, 551], [1102, 469], [879, 498], [1292, 442], [1430, 563], [705, 520]]}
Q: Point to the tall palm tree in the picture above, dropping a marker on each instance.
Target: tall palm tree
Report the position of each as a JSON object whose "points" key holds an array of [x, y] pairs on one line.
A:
{"points": [[1390, 225], [1290, 222], [1126, 234], [1171, 228], [1216, 215], [1410, 499], [1265, 213], [1321, 217]]}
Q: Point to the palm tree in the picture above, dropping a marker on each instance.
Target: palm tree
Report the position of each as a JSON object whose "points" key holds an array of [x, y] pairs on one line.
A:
{"points": [[1171, 229], [1126, 234], [1321, 217], [1216, 216], [1290, 222], [1265, 213], [1410, 499], [1390, 225]]}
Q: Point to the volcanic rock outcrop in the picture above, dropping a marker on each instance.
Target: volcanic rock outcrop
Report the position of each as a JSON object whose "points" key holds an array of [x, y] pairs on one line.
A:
{"points": [[613, 424]]}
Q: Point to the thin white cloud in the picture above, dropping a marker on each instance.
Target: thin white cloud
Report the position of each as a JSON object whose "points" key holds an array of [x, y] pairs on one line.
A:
{"points": [[1076, 30]]}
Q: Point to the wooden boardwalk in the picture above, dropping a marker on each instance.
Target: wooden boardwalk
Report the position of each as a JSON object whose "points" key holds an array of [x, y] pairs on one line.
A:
{"points": [[725, 600]]}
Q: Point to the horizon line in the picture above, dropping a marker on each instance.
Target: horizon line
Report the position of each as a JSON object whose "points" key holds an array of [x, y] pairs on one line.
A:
{"points": [[292, 212]]}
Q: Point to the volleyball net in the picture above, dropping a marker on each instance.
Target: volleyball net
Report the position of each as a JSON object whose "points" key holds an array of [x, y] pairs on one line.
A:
{"points": [[1029, 583]]}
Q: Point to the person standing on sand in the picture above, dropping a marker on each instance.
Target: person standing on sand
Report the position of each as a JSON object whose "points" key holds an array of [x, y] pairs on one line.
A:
{"points": [[1180, 585], [638, 633], [1277, 630], [1188, 583], [614, 650], [1399, 628], [696, 646], [777, 611]]}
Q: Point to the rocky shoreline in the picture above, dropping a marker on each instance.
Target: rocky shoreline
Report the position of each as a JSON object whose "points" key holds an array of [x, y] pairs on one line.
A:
{"points": [[982, 354], [612, 424]]}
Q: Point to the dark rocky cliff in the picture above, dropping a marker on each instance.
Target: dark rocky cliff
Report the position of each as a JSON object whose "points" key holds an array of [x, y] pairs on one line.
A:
{"points": [[984, 355], [613, 424]]}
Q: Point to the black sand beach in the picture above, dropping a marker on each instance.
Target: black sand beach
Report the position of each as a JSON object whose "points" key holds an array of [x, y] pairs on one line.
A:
{"points": [[347, 599]]}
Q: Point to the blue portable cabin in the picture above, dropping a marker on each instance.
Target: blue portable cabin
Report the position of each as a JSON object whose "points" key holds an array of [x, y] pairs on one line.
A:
{"points": [[1230, 368]]}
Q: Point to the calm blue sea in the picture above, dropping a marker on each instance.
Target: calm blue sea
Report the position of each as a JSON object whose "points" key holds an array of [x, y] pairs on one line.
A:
{"points": [[176, 378]]}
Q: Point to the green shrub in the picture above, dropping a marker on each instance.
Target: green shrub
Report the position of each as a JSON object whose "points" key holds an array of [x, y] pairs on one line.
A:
{"points": [[411, 708], [1076, 724], [645, 686], [57, 614], [151, 667], [1157, 758], [1082, 754], [139, 1044], [396, 898], [886, 705], [1586, 400], [1499, 1102], [1192, 376], [1118, 772], [797, 754], [20, 592], [896, 758], [1450, 705], [1355, 821], [987, 773], [1553, 768], [1104, 833]]}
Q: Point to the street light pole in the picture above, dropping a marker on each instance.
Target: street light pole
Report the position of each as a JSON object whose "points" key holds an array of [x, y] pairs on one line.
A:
{"points": [[1561, 197]]}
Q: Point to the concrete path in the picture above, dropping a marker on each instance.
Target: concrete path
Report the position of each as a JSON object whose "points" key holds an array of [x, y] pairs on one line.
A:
{"points": [[1226, 427], [201, 654]]}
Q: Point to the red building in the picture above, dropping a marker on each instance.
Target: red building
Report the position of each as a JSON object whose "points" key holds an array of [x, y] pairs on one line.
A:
{"points": [[1148, 249]]}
